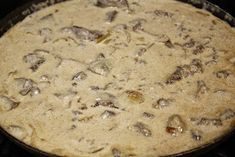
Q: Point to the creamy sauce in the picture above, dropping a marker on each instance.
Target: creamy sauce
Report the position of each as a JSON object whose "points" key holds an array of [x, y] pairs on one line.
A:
{"points": [[143, 78]]}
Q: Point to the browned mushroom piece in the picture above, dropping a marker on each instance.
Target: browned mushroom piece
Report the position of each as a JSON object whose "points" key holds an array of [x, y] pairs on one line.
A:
{"points": [[175, 125], [46, 33], [162, 103], [162, 13], [106, 100], [116, 152], [100, 67], [189, 44], [7, 104], [135, 96], [17, 131], [227, 114], [196, 134], [169, 44], [82, 33], [204, 121], [107, 114], [201, 88], [79, 76], [112, 3], [223, 74], [27, 86], [185, 71], [142, 128], [148, 115], [111, 15], [35, 60], [199, 49], [137, 24]]}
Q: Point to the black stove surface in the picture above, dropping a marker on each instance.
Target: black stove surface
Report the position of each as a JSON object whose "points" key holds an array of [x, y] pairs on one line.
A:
{"points": [[9, 149]]}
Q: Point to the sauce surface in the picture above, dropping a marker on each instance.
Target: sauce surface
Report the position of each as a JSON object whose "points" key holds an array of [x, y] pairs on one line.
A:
{"points": [[118, 78]]}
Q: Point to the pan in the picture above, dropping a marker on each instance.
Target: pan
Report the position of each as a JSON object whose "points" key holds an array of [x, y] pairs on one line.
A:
{"points": [[21, 12]]}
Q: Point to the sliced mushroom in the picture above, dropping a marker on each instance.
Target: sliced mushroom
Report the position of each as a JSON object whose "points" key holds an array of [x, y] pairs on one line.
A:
{"points": [[116, 152], [196, 134], [46, 34], [107, 114], [135, 96], [7, 104], [112, 3], [198, 50], [169, 44], [189, 44], [100, 67], [223, 74], [137, 24], [201, 88], [148, 115], [106, 100], [17, 131], [162, 13], [66, 96], [79, 76], [227, 114], [82, 33], [35, 91], [185, 71], [207, 121], [35, 60], [26, 86], [175, 125], [162, 103], [142, 128], [111, 15]]}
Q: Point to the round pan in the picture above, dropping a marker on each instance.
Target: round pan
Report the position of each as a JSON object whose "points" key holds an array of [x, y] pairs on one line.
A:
{"points": [[20, 13]]}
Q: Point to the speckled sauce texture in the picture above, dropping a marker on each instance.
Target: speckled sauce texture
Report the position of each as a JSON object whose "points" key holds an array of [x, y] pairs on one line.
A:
{"points": [[117, 78]]}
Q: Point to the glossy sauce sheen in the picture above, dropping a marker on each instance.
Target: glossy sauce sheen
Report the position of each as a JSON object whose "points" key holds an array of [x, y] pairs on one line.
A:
{"points": [[117, 78]]}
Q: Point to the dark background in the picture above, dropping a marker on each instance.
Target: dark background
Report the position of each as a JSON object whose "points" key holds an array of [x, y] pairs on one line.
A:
{"points": [[8, 5], [8, 149]]}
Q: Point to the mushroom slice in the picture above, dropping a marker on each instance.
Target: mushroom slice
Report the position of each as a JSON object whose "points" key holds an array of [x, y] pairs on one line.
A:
{"points": [[112, 3], [162, 103], [116, 152], [148, 115], [137, 24], [106, 100], [175, 125], [26, 86], [111, 15], [142, 128], [107, 114], [162, 13], [201, 88], [203, 121], [223, 74], [83, 33], [17, 131], [35, 60], [196, 134], [46, 34], [100, 67], [7, 104], [185, 71], [135, 96], [227, 114], [79, 76]]}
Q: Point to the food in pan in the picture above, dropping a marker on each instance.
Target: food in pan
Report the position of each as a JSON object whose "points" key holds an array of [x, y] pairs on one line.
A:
{"points": [[118, 78]]}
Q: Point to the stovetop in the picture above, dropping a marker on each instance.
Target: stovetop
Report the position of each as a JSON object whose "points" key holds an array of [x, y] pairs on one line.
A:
{"points": [[9, 149]]}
